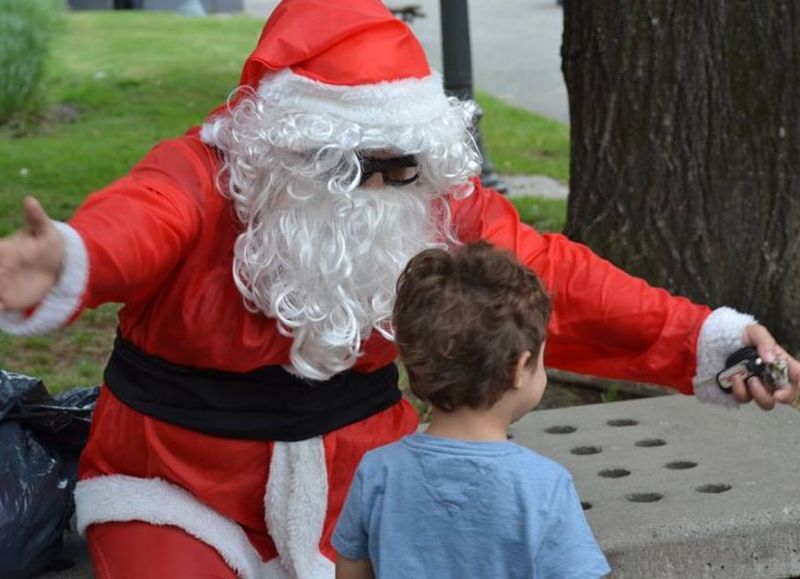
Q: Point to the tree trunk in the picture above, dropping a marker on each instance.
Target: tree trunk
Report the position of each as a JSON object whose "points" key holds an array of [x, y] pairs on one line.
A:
{"points": [[686, 147]]}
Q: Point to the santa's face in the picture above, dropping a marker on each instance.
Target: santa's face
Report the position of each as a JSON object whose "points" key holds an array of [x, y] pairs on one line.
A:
{"points": [[325, 263], [331, 214]]}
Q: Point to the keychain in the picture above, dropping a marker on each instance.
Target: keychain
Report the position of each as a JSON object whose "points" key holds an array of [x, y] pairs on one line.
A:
{"points": [[747, 361]]}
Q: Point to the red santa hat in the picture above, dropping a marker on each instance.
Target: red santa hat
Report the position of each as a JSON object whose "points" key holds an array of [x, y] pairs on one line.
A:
{"points": [[351, 59]]}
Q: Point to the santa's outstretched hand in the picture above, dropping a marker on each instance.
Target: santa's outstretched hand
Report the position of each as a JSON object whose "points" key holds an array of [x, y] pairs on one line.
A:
{"points": [[30, 260], [759, 337]]}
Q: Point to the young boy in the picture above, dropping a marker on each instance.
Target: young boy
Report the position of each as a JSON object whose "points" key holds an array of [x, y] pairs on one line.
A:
{"points": [[461, 500]]}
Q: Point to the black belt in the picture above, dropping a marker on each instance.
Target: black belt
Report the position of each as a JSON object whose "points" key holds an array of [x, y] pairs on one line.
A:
{"points": [[268, 403]]}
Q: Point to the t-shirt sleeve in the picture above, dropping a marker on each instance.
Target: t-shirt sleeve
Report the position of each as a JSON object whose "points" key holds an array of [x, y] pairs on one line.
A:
{"points": [[350, 538], [569, 549]]}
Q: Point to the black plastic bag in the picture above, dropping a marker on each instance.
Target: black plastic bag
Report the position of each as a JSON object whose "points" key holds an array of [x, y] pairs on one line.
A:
{"points": [[40, 440]]}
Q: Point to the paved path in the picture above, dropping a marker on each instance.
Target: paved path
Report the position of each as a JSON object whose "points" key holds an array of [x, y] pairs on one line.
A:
{"points": [[515, 48]]}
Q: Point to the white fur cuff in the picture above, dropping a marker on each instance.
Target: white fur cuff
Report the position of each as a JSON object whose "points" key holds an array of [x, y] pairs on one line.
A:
{"points": [[720, 335], [62, 301]]}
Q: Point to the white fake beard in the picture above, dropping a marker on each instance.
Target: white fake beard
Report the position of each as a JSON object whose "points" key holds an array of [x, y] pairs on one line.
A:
{"points": [[325, 264]]}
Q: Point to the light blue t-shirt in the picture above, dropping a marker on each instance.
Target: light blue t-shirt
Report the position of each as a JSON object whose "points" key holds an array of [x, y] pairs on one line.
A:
{"points": [[435, 507]]}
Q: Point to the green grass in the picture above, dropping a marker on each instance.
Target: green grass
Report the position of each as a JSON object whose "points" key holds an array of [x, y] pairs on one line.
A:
{"points": [[521, 143], [117, 83], [132, 79]]}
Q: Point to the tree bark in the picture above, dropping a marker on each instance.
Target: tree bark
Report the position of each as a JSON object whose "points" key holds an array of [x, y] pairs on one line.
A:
{"points": [[685, 161]]}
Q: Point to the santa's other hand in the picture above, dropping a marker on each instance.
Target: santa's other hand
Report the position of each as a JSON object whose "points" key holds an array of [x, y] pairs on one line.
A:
{"points": [[760, 338]]}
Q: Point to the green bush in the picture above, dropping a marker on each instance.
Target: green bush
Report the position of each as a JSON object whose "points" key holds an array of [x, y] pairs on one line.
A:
{"points": [[25, 30]]}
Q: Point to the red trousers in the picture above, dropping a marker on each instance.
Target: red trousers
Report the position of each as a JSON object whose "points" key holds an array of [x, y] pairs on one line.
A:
{"points": [[137, 550]]}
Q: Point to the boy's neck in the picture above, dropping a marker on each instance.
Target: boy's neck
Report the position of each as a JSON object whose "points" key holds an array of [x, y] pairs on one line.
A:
{"points": [[481, 425]]}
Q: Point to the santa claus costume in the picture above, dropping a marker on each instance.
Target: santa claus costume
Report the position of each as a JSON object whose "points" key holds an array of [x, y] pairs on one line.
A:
{"points": [[254, 364]]}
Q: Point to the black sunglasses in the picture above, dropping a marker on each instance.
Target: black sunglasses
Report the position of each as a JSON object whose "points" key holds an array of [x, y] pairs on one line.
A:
{"points": [[396, 171]]}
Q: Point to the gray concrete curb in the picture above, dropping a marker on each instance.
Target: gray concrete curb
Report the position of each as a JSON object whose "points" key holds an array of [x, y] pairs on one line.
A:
{"points": [[680, 489]]}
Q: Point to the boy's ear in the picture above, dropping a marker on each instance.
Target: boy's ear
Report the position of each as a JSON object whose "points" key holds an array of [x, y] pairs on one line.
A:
{"points": [[519, 367]]}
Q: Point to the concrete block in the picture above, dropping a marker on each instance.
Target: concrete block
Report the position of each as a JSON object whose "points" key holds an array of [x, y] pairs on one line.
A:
{"points": [[676, 488]]}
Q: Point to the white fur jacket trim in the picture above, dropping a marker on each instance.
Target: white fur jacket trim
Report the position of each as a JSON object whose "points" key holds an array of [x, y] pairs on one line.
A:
{"points": [[720, 335]]}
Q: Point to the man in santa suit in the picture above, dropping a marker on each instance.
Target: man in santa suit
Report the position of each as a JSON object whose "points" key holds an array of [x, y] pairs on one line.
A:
{"points": [[256, 258]]}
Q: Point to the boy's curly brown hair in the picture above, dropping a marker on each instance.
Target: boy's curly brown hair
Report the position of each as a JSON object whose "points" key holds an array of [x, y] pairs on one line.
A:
{"points": [[462, 319]]}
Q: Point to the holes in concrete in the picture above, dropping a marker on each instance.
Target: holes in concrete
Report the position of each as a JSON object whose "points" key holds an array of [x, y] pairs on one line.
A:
{"points": [[644, 497], [614, 473], [681, 465], [560, 429], [582, 450], [715, 488]]}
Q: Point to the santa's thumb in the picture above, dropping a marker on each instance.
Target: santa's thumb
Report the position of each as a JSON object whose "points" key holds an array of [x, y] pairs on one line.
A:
{"points": [[37, 220]]}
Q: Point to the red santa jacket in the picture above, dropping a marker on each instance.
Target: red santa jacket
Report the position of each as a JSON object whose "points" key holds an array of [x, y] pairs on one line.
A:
{"points": [[160, 241]]}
